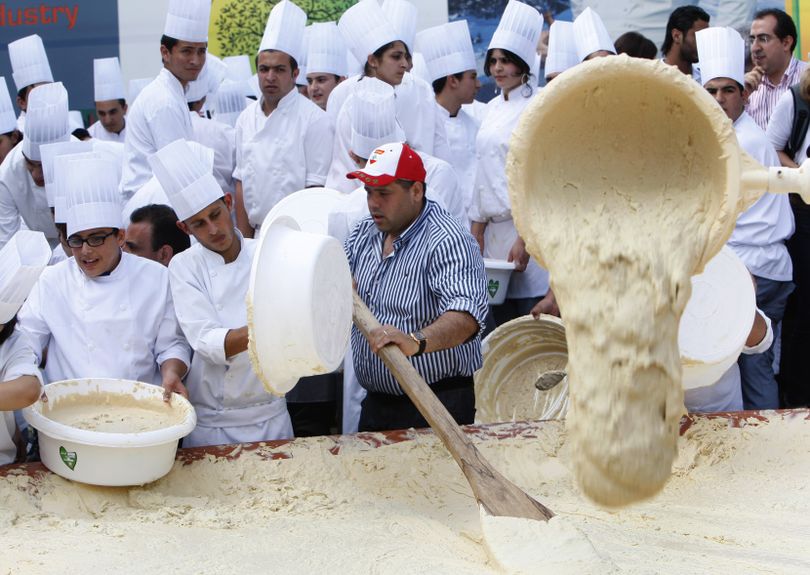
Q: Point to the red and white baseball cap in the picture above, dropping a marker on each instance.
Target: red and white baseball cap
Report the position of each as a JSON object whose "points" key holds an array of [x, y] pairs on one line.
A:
{"points": [[389, 162]]}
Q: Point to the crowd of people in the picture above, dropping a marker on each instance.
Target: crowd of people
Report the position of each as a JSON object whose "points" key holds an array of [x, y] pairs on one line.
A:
{"points": [[126, 249]]}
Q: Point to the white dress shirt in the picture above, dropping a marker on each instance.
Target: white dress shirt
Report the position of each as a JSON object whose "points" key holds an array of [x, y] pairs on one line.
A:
{"points": [[491, 203], [282, 153], [99, 132], [22, 199], [157, 117], [231, 402], [121, 325], [16, 360], [759, 236]]}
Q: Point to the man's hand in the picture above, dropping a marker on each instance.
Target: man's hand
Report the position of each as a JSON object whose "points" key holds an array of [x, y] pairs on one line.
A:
{"points": [[547, 305], [753, 78], [172, 371], [389, 334], [519, 255]]}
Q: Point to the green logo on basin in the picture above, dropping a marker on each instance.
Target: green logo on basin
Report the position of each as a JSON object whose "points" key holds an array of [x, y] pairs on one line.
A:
{"points": [[492, 287], [68, 457]]}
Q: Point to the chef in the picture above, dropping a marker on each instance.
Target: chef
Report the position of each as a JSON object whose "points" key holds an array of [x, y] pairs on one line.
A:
{"points": [[760, 233], [29, 68], [110, 99], [283, 141], [209, 283], [10, 136], [562, 49], [102, 313], [22, 195], [326, 62], [21, 261], [451, 63], [218, 136], [160, 114], [591, 36], [512, 48]]}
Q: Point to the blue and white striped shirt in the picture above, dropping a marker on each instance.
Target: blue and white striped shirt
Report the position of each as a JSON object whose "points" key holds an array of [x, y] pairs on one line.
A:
{"points": [[435, 267]]}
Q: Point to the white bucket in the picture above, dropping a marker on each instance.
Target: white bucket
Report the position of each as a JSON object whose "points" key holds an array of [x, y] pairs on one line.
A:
{"points": [[498, 274], [107, 458], [299, 305], [717, 320]]}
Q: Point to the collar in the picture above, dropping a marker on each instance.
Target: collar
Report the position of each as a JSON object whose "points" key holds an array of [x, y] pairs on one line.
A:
{"points": [[789, 71], [286, 102], [172, 81], [111, 275]]}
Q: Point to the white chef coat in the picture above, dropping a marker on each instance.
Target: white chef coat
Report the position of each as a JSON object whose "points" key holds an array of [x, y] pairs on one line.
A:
{"points": [[443, 187], [491, 202], [416, 114], [225, 392], [726, 393], [460, 133], [222, 139], [121, 325], [282, 153], [98, 131], [759, 236], [157, 117], [20, 198], [477, 110], [16, 360]]}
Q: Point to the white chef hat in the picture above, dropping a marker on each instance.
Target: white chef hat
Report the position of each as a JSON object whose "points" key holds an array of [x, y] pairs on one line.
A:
{"points": [[29, 62], [402, 15], [75, 120], [301, 79], [353, 66], [365, 29], [562, 48], [285, 30], [326, 52], [420, 67], [8, 119], [136, 85], [93, 199], [447, 49], [108, 83], [210, 77], [46, 118], [591, 35], [187, 20], [239, 72], [518, 31], [721, 51], [188, 183], [374, 119], [229, 101], [22, 259], [49, 153]]}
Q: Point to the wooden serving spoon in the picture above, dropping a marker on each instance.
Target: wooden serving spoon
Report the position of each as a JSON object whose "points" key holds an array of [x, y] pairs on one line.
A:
{"points": [[496, 494]]}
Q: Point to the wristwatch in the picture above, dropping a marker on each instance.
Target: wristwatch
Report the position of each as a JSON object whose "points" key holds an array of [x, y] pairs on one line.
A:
{"points": [[419, 338]]}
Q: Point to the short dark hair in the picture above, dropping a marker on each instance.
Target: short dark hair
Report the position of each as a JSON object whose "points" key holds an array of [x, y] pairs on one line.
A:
{"points": [[8, 329], [378, 53], [636, 45], [440, 83], [81, 134], [682, 18], [784, 24], [510, 57], [164, 227], [168, 42], [15, 135], [293, 61]]}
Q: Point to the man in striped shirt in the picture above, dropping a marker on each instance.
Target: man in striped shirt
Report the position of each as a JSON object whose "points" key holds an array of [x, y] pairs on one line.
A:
{"points": [[772, 39], [421, 273]]}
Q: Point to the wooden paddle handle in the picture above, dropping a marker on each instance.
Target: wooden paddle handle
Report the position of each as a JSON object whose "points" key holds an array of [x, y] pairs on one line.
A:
{"points": [[496, 493]]}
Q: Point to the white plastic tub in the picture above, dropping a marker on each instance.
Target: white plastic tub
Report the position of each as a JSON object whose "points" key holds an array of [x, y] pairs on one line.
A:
{"points": [[498, 274], [107, 458]]}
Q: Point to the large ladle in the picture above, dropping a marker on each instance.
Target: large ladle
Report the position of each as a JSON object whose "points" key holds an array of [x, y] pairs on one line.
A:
{"points": [[626, 178]]}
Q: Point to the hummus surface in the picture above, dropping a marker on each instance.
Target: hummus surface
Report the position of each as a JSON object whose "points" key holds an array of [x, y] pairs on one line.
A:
{"points": [[737, 503], [112, 413]]}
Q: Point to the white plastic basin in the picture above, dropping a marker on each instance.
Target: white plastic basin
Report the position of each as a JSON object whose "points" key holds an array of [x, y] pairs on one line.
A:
{"points": [[498, 274], [109, 458]]}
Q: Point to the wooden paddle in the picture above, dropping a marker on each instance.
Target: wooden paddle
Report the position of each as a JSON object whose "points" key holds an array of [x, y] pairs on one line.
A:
{"points": [[498, 495]]}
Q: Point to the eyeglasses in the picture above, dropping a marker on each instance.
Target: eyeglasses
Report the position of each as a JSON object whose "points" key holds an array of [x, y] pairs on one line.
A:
{"points": [[93, 241], [761, 38]]}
